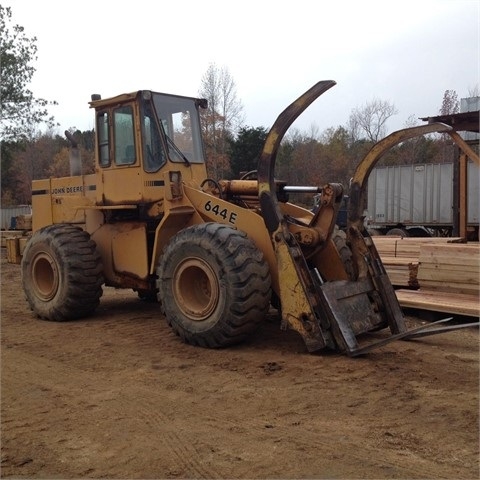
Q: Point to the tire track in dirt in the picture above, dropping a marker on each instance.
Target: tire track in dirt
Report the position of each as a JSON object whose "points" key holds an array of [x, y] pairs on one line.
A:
{"points": [[156, 425], [189, 462], [118, 395], [177, 356]]}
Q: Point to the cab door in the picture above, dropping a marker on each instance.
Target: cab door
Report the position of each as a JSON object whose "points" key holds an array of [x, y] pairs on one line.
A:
{"points": [[118, 166]]}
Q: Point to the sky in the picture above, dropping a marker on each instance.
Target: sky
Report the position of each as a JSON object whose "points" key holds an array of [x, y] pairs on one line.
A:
{"points": [[407, 53]]}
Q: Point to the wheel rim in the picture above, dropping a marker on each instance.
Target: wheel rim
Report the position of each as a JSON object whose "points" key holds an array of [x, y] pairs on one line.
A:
{"points": [[44, 276], [196, 289]]}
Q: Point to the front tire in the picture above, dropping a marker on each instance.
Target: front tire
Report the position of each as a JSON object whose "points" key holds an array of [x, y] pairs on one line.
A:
{"points": [[214, 285], [62, 273]]}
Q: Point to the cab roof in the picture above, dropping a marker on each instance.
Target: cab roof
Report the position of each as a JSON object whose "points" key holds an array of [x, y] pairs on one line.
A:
{"points": [[125, 97]]}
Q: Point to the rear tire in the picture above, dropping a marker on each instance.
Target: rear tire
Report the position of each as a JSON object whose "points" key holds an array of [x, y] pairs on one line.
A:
{"points": [[62, 273], [214, 285]]}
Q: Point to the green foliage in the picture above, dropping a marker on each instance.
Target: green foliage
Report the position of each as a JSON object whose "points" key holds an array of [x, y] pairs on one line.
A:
{"points": [[21, 112], [246, 148]]}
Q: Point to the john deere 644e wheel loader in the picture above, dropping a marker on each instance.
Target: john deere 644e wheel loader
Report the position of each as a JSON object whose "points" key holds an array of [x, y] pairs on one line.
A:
{"points": [[216, 253]]}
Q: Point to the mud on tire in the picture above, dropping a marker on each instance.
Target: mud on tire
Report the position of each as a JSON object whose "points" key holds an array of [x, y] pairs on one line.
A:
{"points": [[214, 285], [62, 273]]}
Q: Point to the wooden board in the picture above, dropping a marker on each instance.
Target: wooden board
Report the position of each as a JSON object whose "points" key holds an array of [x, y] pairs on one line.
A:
{"points": [[409, 246], [454, 303]]}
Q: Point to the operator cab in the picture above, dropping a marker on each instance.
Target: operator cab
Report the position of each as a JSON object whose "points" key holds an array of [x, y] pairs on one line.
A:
{"points": [[139, 137]]}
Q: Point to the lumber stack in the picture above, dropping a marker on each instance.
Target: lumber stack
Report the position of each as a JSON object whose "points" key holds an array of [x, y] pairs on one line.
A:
{"points": [[401, 265], [401, 255], [436, 274], [402, 272], [409, 247], [450, 267]]}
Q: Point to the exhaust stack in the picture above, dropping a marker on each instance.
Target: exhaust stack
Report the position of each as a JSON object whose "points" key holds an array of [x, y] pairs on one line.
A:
{"points": [[75, 157]]}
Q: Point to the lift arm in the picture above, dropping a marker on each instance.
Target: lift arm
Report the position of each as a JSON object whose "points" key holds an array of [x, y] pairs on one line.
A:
{"points": [[300, 308]]}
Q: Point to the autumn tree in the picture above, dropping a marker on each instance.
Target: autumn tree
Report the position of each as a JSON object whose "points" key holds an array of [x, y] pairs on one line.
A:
{"points": [[292, 141], [47, 155], [32, 162], [338, 159], [369, 121], [221, 119]]}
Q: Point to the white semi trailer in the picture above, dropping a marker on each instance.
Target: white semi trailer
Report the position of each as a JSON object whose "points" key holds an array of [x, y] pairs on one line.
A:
{"points": [[424, 199], [432, 199]]}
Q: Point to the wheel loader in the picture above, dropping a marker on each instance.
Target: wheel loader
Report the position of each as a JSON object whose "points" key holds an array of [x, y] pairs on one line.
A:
{"points": [[217, 254]]}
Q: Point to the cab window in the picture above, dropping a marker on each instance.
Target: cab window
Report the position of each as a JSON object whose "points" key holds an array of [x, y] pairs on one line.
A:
{"points": [[153, 155], [179, 118], [123, 128], [103, 139]]}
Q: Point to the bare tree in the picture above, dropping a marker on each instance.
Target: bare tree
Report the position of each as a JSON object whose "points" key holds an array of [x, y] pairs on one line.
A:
{"points": [[371, 119], [411, 121], [221, 119], [450, 103], [474, 91]]}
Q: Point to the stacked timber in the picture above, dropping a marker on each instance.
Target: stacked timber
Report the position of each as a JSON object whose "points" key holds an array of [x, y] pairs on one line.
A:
{"points": [[402, 272], [401, 267], [450, 267], [401, 255], [448, 278]]}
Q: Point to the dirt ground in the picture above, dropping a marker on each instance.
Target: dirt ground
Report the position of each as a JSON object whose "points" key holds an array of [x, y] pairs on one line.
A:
{"points": [[119, 396]]}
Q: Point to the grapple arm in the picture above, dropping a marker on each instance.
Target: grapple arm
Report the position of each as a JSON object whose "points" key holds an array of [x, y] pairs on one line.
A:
{"points": [[332, 313]]}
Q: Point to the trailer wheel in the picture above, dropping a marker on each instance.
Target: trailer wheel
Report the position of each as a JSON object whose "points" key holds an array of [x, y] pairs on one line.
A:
{"points": [[62, 273], [400, 232], [214, 285]]}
